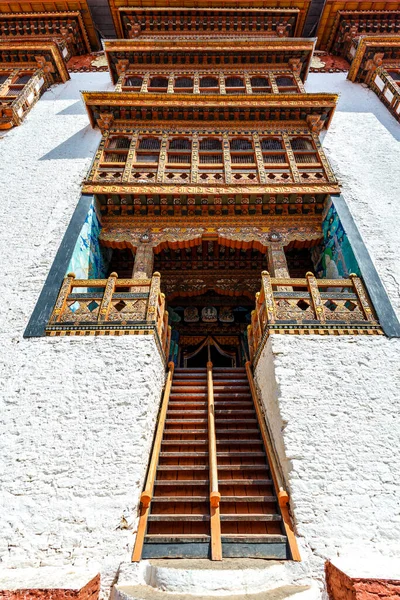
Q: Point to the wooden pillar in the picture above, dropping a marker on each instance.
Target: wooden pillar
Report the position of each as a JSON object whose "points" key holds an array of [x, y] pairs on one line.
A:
{"points": [[274, 86], [196, 83], [227, 158], [162, 158], [249, 89], [315, 297], [259, 158], [107, 297], [194, 171], [144, 262], [145, 82], [131, 158], [292, 161], [171, 81], [277, 264], [222, 89]]}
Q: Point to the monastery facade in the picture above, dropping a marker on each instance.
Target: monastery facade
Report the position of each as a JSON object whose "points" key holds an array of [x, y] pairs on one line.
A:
{"points": [[200, 355]]}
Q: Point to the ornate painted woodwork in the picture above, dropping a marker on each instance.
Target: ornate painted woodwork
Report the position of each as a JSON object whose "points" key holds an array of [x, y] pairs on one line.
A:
{"points": [[69, 21], [210, 57], [203, 19], [343, 20], [386, 84], [26, 71], [66, 28], [321, 307]]}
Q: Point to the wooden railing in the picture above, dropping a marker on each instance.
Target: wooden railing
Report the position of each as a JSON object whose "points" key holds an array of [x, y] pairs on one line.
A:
{"points": [[147, 494], [215, 496], [277, 478], [340, 306], [97, 305], [13, 109]]}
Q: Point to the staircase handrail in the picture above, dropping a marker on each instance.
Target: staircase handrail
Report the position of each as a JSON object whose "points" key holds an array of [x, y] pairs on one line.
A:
{"points": [[215, 496]]}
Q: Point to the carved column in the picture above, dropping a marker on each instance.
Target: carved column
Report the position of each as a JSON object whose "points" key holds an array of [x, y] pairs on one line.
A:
{"points": [[131, 158], [299, 82], [194, 173], [171, 80], [274, 86], [292, 162], [227, 158], [249, 89], [277, 263], [144, 262], [145, 82], [196, 83], [222, 89], [118, 87], [259, 158], [162, 158]]}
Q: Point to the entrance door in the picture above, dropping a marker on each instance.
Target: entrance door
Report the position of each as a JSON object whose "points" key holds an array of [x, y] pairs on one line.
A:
{"points": [[209, 350]]}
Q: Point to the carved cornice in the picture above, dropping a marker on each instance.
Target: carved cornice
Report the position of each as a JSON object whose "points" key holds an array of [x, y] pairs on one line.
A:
{"points": [[36, 50], [367, 42]]}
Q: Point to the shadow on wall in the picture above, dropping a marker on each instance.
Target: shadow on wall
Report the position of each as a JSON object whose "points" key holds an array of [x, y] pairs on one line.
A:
{"points": [[77, 108], [79, 145]]}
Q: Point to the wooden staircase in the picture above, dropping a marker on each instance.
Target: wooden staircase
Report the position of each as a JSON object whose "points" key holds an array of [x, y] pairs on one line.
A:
{"points": [[209, 495]]}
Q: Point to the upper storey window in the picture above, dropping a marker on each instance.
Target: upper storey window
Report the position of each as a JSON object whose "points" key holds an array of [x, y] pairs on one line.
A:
{"points": [[114, 157], [242, 151], [286, 84], [148, 150], [158, 84], [16, 85], [260, 85], [235, 85], [210, 151], [209, 85], [273, 151], [183, 85], [304, 151], [133, 83], [180, 151]]}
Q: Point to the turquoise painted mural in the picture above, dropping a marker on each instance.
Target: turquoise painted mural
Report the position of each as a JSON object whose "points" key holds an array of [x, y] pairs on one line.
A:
{"points": [[89, 259], [334, 258]]}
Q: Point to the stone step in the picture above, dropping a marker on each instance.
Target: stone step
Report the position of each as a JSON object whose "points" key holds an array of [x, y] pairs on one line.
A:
{"points": [[293, 592]]}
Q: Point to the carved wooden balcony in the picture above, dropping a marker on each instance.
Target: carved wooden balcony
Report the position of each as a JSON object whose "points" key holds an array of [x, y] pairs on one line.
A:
{"points": [[105, 307], [18, 93], [386, 84], [310, 306]]}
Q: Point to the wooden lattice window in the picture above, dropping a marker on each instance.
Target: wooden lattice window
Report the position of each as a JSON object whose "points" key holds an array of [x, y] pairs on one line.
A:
{"points": [[273, 151], [242, 151], [158, 84], [209, 85], [179, 151], [235, 85], [148, 150], [133, 83], [260, 85], [210, 151], [116, 150], [17, 85], [286, 84], [183, 85], [394, 75], [3, 78], [304, 151]]}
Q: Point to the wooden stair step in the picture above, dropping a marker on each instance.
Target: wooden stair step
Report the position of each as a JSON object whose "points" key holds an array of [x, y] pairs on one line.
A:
{"points": [[242, 467], [188, 431], [181, 455], [183, 468], [180, 518], [234, 421], [240, 454], [266, 499], [165, 499], [268, 538], [186, 421], [250, 517], [181, 482], [244, 482], [165, 539], [185, 442], [238, 442], [238, 431]]}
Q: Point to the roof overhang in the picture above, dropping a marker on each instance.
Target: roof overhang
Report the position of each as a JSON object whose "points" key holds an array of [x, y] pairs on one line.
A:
{"points": [[372, 52], [10, 19], [49, 9], [30, 54], [124, 109], [269, 53], [348, 17], [119, 8]]}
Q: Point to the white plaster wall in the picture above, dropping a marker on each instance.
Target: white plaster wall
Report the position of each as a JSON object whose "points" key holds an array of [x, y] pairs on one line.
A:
{"points": [[333, 402], [76, 415], [363, 146]]}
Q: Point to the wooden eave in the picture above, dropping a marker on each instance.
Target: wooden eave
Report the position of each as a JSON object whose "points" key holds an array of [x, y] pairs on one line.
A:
{"points": [[271, 49], [381, 43], [119, 6], [181, 108], [23, 54], [332, 7], [49, 8], [343, 15], [52, 16]]}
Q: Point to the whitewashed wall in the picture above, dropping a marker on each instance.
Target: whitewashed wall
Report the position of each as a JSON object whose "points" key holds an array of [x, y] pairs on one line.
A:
{"points": [[77, 415], [333, 402]]}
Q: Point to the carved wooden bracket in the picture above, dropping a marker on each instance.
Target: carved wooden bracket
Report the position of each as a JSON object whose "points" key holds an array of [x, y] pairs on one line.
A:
{"points": [[47, 67], [315, 123], [295, 65], [105, 120], [122, 66]]}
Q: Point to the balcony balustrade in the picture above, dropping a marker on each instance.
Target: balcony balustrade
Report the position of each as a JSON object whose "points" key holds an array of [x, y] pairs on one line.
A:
{"points": [[310, 306], [99, 307]]}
